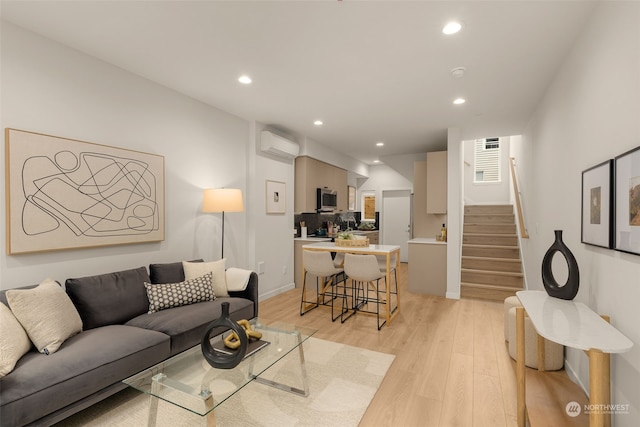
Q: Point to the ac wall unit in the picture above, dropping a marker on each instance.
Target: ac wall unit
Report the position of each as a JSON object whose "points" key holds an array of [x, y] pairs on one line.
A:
{"points": [[278, 146]]}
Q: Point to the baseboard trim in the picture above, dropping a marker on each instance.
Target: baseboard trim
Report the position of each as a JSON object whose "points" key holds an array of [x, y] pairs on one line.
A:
{"points": [[571, 373], [277, 291], [453, 295]]}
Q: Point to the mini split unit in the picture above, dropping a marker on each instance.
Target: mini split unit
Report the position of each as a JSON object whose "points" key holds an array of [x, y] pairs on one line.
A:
{"points": [[278, 146]]}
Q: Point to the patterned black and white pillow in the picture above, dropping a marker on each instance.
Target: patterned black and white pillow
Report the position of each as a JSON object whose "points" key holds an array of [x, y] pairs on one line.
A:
{"points": [[168, 295]]}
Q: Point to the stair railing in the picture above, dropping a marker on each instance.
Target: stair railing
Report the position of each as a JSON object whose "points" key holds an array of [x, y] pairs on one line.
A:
{"points": [[523, 229]]}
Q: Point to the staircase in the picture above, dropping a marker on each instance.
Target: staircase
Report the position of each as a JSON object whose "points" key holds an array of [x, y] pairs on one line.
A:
{"points": [[491, 267]]}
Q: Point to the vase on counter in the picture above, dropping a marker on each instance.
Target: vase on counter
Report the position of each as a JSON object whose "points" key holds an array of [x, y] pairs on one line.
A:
{"points": [[219, 359], [569, 290]]}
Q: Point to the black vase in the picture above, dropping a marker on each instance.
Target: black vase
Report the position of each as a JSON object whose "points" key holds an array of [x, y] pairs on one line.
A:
{"points": [[218, 359], [569, 290]]}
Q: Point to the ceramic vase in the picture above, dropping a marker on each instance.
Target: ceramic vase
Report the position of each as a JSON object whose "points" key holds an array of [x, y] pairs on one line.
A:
{"points": [[569, 290], [218, 359]]}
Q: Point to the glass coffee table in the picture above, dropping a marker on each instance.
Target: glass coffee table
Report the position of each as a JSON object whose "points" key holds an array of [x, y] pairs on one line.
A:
{"points": [[187, 381]]}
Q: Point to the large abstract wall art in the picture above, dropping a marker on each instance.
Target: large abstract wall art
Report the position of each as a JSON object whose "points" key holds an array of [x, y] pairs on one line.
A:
{"points": [[64, 194]]}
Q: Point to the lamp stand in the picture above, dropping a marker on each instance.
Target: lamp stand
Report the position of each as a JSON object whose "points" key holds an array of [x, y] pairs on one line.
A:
{"points": [[222, 255]]}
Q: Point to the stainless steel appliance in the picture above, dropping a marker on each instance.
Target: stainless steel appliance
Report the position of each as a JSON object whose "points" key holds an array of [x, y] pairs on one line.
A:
{"points": [[327, 200]]}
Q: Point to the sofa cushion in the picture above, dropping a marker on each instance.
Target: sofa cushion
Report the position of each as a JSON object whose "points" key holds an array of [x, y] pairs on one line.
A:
{"points": [[217, 268], [171, 272], [109, 299], [186, 325], [168, 295], [86, 363], [46, 313], [14, 342]]}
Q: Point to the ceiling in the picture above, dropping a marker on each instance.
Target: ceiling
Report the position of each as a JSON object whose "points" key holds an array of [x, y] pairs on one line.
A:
{"points": [[370, 70]]}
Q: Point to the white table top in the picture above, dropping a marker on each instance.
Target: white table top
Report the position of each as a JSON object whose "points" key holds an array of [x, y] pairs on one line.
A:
{"points": [[371, 249], [572, 324]]}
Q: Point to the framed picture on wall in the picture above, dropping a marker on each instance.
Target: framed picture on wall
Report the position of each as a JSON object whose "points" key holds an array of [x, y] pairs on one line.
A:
{"points": [[627, 202], [352, 198], [597, 205], [63, 193], [275, 194]]}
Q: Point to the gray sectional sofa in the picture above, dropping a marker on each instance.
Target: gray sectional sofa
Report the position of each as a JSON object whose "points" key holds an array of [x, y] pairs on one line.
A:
{"points": [[118, 340]]}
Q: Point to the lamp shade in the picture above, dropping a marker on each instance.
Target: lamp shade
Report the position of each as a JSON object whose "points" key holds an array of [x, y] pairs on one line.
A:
{"points": [[222, 200]]}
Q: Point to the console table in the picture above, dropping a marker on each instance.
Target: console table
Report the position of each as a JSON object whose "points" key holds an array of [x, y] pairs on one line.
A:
{"points": [[575, 325]]}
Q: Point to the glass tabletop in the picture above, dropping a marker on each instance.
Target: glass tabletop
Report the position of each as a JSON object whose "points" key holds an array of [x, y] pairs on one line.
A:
{"points": [[188, 381]]}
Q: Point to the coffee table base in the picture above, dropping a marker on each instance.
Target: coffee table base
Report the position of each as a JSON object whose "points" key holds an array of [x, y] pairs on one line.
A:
{"points": [[160, 381]]}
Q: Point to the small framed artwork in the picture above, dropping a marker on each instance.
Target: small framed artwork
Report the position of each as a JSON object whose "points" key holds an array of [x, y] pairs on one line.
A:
{"points": [[597, 205], [276, 197], [352, 198], [627, 202]]}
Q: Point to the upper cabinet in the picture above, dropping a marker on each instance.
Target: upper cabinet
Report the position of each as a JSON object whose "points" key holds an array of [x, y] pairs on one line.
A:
{"points": [[311, 174], [437, 182]]}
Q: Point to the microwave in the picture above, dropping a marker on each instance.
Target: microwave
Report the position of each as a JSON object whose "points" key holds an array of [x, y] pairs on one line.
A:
{"points": [[327, 200]]}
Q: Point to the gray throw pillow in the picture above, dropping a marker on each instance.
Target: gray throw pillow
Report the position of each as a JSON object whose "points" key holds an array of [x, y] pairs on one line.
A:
{"points": [[109, 299]]}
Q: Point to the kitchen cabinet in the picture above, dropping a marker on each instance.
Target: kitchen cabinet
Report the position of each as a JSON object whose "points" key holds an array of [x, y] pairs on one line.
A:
{"points": [[311, 174], [424, 225], [428, 266], [437, 182]]}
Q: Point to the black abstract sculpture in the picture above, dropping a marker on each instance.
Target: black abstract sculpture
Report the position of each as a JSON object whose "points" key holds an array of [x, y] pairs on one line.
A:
{"points": [[569, 290], [218, 359]]}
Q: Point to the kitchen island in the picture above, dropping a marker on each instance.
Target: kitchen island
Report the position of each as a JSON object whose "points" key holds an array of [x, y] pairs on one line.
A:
{"points": [[388, 251], [428, 266]]}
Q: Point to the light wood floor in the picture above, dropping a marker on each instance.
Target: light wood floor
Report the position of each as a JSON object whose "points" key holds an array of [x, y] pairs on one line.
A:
{"points": [[452, 367]]}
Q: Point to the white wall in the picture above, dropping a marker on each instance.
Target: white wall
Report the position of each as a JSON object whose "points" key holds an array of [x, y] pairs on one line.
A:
{"points": [[51, 89], [590, 113], [486, 193], [455, 208], [311, 148], [381, 177], [272, 233]]}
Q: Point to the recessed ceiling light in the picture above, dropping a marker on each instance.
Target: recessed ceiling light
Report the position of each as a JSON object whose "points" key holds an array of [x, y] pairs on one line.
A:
{"points": [[379, 144], [245, 80], [318, 123], [459, 101], [376, 161], [452, 28]]}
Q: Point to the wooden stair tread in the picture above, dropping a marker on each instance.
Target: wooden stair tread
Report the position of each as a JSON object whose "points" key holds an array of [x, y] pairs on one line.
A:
{"points": [[493, 287], [495, 272], [474, 245], [490, 235], [491, 266], [483, 258]]}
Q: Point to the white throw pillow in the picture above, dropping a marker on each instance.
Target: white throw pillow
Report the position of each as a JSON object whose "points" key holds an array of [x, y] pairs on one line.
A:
{"points": [[14, 342], [46, 313], [193, 270]]}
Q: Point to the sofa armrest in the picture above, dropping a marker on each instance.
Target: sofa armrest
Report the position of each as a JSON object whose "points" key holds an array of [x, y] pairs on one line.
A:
{"points": [[250, 292]]}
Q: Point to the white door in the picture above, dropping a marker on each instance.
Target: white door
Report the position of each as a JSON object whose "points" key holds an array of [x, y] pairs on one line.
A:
{"points": [[396, 220]]}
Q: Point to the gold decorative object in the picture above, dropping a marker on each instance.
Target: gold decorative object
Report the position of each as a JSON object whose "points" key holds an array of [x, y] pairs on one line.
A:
{"points": [[232, 341]]}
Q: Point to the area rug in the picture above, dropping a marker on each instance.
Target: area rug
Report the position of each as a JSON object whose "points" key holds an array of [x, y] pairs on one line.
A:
{"points": [[342, 382]]}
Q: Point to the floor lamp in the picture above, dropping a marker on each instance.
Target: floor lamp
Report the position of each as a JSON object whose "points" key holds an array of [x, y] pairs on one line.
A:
{"points": [[222, 200]]}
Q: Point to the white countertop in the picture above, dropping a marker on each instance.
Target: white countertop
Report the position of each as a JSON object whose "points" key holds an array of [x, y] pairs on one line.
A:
{"points": [[572, 323], [313, 239], [371, 249], [426, 241]]}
